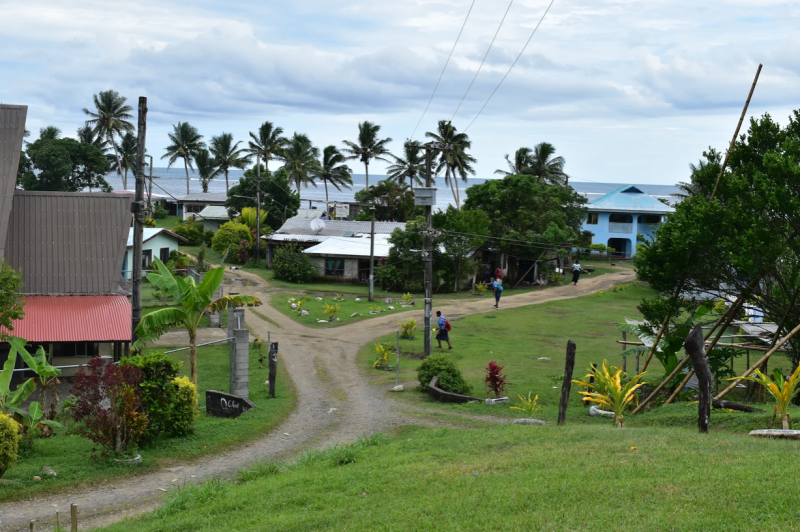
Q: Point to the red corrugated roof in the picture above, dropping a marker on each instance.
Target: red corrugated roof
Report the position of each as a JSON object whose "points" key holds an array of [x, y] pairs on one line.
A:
{"points": [[75, 319]]}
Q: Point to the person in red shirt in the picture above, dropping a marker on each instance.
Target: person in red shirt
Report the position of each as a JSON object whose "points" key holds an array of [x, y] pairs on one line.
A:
{"points": [[498, 274]]}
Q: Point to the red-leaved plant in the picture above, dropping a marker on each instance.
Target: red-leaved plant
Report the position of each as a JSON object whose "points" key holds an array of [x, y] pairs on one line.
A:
{"points": [[494, 381], [244, 256], [108, 403]]}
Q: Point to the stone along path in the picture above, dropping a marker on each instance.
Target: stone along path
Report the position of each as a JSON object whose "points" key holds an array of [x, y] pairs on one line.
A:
{"points": [[334, 404]]}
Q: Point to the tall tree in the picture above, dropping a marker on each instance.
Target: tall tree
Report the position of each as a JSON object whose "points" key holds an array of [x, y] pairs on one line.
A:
{"points": [[87, 135], [278, 200], [453, 158], [546, 167], [49, 133], [266, 143], [11, 299], [464, 232], [228, 154], [393, 201], [63, 165], [127, 153], [300, 159], [207, 167], [411, 166], [186, 141], [368, 146], [331, 170], [111, 117], [520, 165]]}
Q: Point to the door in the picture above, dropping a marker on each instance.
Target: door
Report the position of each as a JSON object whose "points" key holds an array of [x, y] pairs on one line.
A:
{"points": [[163, 254], [147, 258]]}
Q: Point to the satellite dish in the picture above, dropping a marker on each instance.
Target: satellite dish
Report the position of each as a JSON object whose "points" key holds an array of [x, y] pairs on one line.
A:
{"points": [[317, 225]]}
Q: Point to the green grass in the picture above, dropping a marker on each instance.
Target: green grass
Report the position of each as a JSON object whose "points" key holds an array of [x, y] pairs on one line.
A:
{"points": [[580, 478], [69, 455], [168, 222], [315, 308]]}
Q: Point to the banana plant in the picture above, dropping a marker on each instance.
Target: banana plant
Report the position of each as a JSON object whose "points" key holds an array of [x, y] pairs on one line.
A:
{"points": [[10, 398], [190, 302], [609, 391], [47, 379], [33, 419], [782, 390]]}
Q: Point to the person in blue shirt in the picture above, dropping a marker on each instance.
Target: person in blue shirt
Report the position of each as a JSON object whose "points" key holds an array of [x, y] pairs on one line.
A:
{"points": [[497, 286], [441, 333]]}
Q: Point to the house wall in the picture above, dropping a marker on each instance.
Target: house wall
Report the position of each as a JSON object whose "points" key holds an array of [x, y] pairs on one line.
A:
{"points": [[213, 224], [350, 268], [604, 231], [154, 245]]}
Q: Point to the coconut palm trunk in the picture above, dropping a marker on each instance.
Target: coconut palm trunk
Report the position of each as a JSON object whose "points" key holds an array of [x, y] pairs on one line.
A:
{"points": [[119, 162], [186, 167], [447, 179], [227, 186], [327, 205], [366, 169], [458, 193]]}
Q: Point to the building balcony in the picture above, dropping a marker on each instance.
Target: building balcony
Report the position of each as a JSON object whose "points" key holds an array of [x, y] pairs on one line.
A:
{"points": [[647, 230], [621, 228]]}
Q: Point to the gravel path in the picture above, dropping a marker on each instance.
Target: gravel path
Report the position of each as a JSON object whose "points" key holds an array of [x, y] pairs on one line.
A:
{"points": [[334, 404]]}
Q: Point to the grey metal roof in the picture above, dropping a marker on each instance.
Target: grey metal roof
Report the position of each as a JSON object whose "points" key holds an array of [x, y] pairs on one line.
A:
{"points": [[628, 198], [150, 232], [205, 197], [214, 212], [69, 243], [12, 129], [296, 226]]}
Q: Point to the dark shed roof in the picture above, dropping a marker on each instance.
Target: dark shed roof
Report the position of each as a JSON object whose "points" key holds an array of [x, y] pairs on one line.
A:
{"points": [[12, 129], [69, 243]]}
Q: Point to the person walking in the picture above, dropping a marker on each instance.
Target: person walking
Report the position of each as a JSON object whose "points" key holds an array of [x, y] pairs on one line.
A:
{"points": [[443, 331], [576, 272], [497, 287]]}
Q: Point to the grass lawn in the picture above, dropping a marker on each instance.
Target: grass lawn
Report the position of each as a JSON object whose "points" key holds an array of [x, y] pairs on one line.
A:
{"points": [[530, 342], [69, 455], [315, 308], [168, 222], [576, 477]]}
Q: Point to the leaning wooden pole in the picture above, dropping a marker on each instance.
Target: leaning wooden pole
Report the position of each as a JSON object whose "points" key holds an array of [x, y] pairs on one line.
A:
{"points": [[760, 361], [693, 345], [736, 134]]}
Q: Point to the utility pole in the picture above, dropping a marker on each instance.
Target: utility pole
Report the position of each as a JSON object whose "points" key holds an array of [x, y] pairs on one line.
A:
{"points": [[150, 191], [258, 208], [137, 208], [372, 257], [427, 254]]}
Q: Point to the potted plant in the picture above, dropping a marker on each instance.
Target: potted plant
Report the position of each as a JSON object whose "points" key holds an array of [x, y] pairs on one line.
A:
{"points": [[339, 297], [374, 309]]}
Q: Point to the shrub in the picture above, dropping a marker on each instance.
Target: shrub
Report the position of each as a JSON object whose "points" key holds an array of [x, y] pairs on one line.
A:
{"points": [[331, 309], [244, 256], [495, 381], [190, 230], [231, 235], [184, 409], [149, 222], [159, 212], [292, 265], [202, 265], [208, 237], [108, 403], [177, 260], [407, 328], [383, 350], [9, 442], [450, 377]]}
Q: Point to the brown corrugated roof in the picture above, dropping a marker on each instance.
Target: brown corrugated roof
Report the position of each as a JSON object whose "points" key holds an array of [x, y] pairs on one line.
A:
{"points": [[69, 243], [12, 128]]}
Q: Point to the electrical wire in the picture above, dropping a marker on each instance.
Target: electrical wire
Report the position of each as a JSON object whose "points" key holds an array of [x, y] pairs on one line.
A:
{"points": [[512, 65], [483, 61], [443, 69]]}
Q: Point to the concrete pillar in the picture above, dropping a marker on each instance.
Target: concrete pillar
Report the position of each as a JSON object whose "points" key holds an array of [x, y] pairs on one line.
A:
{"points": [[240, 363], [213, 318]]}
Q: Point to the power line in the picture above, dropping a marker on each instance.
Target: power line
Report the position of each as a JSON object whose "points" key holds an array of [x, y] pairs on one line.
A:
{"points": [[443, 69], [483, 61], [512, 65]]}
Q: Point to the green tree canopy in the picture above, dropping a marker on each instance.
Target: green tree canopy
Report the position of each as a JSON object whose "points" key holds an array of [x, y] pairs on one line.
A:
{"points": [[64, 165], [11, 299], [462, 232], [393, 201], [277, 199]]}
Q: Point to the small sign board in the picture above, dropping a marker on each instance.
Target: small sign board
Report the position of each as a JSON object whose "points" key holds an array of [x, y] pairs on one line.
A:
{"points": [[342, 211], [425, 196], [221, 404]]}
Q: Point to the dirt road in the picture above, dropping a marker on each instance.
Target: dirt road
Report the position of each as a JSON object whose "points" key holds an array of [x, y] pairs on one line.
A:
{"points": [[334, 404]]}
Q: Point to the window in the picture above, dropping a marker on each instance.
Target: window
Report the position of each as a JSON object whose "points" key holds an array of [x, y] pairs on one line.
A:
{"points": [[163, 254], [593, 219], [147, 258], [618, 218], [334, 267], [649, 219]]}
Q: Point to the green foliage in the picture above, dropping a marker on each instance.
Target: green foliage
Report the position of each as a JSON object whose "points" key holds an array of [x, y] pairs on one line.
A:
{"points": [[464, 231], [184, 410], [65, 165], [331, 309], [292, 265], [383, 351], [260, 469], [149, 222], [249, 217], [11, 300], [343, 454], [9, 398], [529, 405], [231, 235], [191, 230], [407, 328], [443, 366], [277, 199], [159, 212], [202, 265], [177, 260], [10, 437], [33, 419], [393, 201]]}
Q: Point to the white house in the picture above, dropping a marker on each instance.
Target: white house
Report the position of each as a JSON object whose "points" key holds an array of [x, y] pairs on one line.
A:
{"points": [[347, 257], [157, 242]]}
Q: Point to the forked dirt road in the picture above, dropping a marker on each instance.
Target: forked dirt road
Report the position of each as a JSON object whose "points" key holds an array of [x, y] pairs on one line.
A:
{"points": [[334, 404]]}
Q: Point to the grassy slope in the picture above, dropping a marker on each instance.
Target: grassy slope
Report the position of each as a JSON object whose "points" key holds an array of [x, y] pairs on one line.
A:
{"points": [[512, 478], [69, 455]]}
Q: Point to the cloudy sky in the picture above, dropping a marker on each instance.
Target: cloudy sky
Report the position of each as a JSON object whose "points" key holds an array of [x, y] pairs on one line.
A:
{"points": [[627, 90]]}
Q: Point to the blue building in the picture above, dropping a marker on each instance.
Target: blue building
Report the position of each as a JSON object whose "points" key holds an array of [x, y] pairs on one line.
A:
{"points": [[616, 218]]}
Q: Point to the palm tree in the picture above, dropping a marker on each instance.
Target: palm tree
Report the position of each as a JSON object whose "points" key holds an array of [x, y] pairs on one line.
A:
{"points": [[267, 143], [453, 158], [299, 158], [520, 165], [330, 169], [207, 167], [185, 143], [546, 167], [127, 150], [87, 135], [110, 118], [227, 154], [49, 133], [368, 146], [191, 301], [411, 167]]}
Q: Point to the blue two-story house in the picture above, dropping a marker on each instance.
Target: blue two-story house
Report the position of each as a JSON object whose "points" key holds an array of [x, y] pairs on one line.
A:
{"points": [[615, 219]]}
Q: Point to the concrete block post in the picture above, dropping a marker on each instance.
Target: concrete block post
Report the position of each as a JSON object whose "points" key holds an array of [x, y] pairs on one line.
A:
{"points": [[240, 363], [213, 318]]}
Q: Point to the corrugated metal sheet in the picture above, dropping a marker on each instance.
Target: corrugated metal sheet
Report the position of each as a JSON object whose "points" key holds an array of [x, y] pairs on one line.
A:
{"points": [[75, 319], [150, 232], [296, 226], [210, 197], [12, 128], [214, 212], [618, 200], [69, 243]]}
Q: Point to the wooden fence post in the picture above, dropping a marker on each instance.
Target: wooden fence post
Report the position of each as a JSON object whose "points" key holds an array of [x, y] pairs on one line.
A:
{"points": [[74, 517], [567, 384], [273, 367]]}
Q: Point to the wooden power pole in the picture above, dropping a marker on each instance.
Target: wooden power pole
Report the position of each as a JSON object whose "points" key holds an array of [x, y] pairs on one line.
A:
{"points": [[137, 208]]}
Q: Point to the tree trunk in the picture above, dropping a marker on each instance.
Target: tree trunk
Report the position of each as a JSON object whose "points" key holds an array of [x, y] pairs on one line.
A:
{"points": [[327, 205], [455, 282], [186, 167], [785, 422], [695, 348], [449, 181], [366, 169], [227, 187], [193, 355], [458, 194], [619, 421], [119, 163]]}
